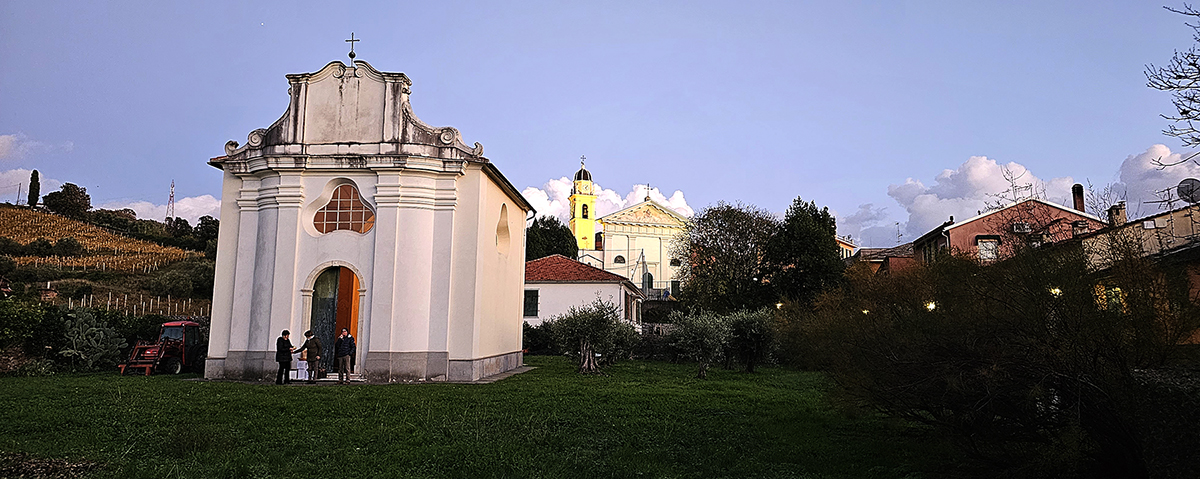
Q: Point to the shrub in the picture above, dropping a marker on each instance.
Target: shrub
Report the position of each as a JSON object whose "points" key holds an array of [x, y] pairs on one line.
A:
{"points": [[539, 340], [594, 333], [752, 336], [1021, 360], [39, 247], [701, 337], [90, 342], [67, 247]]}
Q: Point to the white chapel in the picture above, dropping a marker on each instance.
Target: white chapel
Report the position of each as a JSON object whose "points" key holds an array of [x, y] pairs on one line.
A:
{"points": [[350, 212]]}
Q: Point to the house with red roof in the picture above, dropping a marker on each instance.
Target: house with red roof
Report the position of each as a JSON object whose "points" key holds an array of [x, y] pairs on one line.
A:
{"points": [[556, 283]]}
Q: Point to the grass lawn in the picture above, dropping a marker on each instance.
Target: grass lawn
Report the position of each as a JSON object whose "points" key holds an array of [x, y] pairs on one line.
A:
{"points": [[643, 419]]}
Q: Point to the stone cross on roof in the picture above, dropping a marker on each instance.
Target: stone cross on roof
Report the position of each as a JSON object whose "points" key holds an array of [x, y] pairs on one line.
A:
{"points": [[351, 42]]}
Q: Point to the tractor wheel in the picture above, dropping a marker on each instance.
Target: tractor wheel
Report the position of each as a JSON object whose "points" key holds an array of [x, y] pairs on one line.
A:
{"points": [[170, 366]]}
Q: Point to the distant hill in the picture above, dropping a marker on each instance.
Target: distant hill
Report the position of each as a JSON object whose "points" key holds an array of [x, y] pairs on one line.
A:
{"points": [[103, 249]]}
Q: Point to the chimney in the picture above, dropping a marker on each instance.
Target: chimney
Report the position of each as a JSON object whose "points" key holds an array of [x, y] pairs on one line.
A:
{"points": [[1116, 214], [1077, 195]]}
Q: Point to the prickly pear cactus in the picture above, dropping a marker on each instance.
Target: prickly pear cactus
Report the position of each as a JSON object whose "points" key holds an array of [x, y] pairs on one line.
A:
{"points": [[90, 342]]}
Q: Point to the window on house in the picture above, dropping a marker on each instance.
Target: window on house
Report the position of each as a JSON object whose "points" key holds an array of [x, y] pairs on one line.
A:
{"points": [[675, 262], [531, 303], [989, 249], [345, 211], [619, 260]]}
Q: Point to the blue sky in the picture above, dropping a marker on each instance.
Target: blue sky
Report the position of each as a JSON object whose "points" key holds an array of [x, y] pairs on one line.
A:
{"points": [[887, 112]]}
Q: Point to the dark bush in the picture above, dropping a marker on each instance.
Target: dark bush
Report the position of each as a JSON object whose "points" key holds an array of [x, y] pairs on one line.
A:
{"points": [[1022, 360], [539, 340], [39, 247], [10, 247], [73, 288], [67, 247]]}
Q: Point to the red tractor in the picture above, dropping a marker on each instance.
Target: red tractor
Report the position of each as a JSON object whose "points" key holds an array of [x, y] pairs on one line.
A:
{"points": [[178, 346]]}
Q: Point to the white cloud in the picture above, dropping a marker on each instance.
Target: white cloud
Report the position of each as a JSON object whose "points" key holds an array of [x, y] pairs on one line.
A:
{"points": [[552, 199], [16, 181], [1141, 179], [866, 226], [965, 191], [18, 145], [190, 208]]}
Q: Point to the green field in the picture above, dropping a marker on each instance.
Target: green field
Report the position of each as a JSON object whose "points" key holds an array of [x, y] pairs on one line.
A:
{"points": [[643, 419]]}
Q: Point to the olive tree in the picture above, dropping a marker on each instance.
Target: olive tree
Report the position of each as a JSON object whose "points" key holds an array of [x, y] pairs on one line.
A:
{"points": [[594, 333]]}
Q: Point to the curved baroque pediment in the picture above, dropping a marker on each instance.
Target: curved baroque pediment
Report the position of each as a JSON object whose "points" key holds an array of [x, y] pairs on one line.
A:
{"points": [[354, 116]]}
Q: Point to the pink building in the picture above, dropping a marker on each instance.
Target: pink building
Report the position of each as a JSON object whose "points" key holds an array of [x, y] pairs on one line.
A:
{"points": [[1000, 233]]}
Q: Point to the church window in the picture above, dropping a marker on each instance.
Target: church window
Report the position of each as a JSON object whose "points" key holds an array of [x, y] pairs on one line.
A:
{"points": [[345, 211], [585, 212], [619, 260], [531, 303]]}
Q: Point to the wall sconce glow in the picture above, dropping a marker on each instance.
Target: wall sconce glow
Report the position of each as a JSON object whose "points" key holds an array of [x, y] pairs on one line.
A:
{"points": [[931, 305], [1056, 292]]}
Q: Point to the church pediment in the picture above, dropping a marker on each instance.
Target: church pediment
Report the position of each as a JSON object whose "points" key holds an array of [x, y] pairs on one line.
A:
{"points": [[346, 111], [646, 213]]}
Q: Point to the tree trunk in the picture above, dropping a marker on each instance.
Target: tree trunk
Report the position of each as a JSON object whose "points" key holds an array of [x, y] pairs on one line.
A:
{"points": [[587, 358], [703, 374]]}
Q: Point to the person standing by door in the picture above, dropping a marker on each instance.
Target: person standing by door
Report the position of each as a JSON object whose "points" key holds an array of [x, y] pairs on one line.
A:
{"points": [[313, 346], [283, 354], [343, 350]]}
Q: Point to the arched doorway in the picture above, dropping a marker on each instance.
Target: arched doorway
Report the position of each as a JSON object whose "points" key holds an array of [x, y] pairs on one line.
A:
{"points": [[334, 306]]}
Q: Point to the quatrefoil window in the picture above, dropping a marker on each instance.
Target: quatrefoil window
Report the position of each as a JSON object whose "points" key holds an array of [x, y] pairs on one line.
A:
{"points": [[345, 211]]}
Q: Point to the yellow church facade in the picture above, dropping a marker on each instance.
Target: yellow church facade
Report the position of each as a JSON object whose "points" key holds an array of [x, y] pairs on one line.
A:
{"points": [[635, 242]]}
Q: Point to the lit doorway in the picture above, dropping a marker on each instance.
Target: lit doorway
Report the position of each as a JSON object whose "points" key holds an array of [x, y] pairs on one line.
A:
{"points": [[334, 306]]}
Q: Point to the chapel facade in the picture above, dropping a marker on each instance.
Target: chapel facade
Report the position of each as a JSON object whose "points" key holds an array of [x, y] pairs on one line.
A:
{"points": [[350, 212]]}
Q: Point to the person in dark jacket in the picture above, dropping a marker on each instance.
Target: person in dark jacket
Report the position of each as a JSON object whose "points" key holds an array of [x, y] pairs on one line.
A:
{"points": [[343, 350], [313, 346], [283, 354]]}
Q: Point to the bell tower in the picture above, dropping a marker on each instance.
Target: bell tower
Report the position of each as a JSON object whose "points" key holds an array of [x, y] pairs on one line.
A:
{"points": [[583, 208]]}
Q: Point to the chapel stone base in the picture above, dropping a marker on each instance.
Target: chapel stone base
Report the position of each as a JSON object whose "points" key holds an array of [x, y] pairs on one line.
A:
{"points": [[387, 367], [474, 369], [380, 367], [243, 366]]}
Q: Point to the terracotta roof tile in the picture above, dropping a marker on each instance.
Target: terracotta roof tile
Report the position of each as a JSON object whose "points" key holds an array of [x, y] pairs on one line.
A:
{"points": [[561, 268]]}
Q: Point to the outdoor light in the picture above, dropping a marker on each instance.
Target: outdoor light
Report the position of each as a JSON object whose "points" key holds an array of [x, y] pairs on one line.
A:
{"points": [[778, 305], [866, 311], [931, 305], [1055, 292]]}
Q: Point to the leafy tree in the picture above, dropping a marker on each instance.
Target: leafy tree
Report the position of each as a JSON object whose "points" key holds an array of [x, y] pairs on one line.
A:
{"points": [[67, 247], [702, 337], [91, 342], [35, 189], [206, 229], [1181, 77], [7, 265], [722, 252], [803, 256], [548, 236], [121, 220], [752, 336], [594, 333], [71, 201], [178, 227]]}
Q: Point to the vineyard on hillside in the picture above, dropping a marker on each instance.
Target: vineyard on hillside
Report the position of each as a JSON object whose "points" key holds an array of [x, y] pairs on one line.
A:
{"points": [[103, 250]]}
